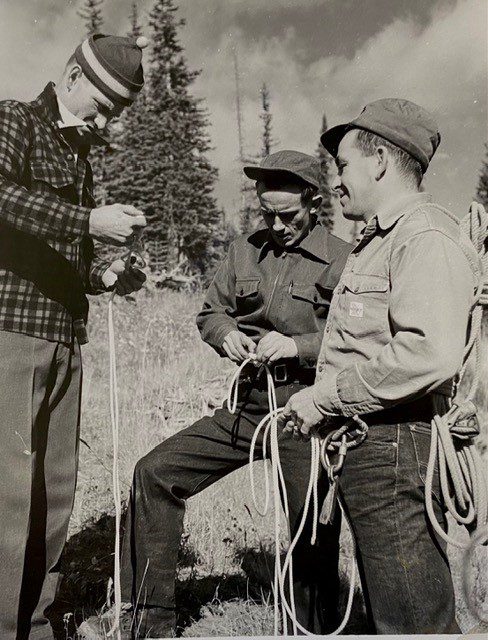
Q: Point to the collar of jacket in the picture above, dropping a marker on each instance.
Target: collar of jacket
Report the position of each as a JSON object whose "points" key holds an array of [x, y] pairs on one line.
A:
{"points": [[47, 106], [316, 243], [389, 215]]}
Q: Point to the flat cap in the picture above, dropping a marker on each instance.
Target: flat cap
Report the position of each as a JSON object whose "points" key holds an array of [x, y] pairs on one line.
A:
{"points": [[289, 164], [113, 65], [403, 123]]}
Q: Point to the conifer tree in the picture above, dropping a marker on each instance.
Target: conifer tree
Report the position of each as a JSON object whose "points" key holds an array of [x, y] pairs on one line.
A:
{"points": [[172, 143], [91, 13], [325, 212], [482, 190]]}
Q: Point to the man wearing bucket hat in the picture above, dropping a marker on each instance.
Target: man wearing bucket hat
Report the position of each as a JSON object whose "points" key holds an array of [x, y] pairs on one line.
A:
{"points": [[393, 343], [48, 221], [270, 298]]}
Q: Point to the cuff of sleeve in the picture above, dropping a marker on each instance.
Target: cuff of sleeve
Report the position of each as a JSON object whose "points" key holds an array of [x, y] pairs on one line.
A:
{"points": [[355, 395], [325, 396], [96, 273], [219, 333], [79, 225], [307, 350]]}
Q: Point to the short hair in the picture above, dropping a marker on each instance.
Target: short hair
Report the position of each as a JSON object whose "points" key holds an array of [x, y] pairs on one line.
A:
{"points": [[307, 191], [408, 167]]}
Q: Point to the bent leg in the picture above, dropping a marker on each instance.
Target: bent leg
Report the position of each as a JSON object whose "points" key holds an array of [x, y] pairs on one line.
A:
{"points": [[175, 470]]}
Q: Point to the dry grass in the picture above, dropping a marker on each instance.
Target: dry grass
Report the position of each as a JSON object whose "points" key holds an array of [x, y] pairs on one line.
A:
{"points": [[167, 379]]}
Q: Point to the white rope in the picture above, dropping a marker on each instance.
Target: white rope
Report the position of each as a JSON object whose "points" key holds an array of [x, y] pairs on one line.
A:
{"points": [[462, 474], [114, 416], [269, 426]]}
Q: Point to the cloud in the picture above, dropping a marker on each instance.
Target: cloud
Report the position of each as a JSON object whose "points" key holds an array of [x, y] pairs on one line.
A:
{"points": [[436, 59], [441, 66]]}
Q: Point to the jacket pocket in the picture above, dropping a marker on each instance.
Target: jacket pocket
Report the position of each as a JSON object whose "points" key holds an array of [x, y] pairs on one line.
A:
{"points": [[52, 173], [309, 293], [364, 305], [246, 287]]}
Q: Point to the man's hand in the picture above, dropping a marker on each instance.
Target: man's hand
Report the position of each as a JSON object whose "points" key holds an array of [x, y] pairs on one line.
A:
{"points": [[115, 223], [238, 346], [126, 280], [300, 416], [275, 346]]}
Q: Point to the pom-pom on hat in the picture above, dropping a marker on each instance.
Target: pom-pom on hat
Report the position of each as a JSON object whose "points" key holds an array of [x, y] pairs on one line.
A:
{"points": [[113, 65]]}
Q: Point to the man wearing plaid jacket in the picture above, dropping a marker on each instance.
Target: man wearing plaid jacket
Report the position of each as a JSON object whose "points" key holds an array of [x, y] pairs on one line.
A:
{"points": [[48, 220]]}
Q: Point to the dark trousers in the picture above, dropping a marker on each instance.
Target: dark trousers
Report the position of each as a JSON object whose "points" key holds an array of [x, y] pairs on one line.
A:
{"points": [[405, 575], [39, 419], [194, 459]]}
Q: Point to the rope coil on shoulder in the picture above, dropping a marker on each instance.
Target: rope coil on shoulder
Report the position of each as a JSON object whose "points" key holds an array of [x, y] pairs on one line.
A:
{"points": [[462, 474]]}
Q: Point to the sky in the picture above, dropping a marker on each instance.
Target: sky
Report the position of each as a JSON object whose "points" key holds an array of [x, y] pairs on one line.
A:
{"points": [[316, 56]]}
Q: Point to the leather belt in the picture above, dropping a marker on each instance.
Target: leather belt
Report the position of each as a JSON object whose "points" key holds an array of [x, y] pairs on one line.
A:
{"points": [[283, 372]]}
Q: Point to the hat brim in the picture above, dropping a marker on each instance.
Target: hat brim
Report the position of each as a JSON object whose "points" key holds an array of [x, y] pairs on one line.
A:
{"points": [[261, 173], [331, 138]]}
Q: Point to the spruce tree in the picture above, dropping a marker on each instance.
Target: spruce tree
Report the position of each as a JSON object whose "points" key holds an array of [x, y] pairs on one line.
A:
{"points": [[175, 178], [482, 190], [325, 212], [91, 13], [130, 149]]}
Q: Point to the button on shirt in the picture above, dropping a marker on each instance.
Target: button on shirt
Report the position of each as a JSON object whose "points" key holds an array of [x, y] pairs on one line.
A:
{"points": [[261, 287], [398, 319]]}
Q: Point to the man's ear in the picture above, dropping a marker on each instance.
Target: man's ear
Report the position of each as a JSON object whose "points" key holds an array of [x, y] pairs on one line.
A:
{"points": [[73, 74], [381, 157], [315, 204]]}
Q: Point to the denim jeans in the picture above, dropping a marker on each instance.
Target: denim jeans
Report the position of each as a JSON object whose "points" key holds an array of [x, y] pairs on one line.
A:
{"points": [[194, 459], [404, 570]]}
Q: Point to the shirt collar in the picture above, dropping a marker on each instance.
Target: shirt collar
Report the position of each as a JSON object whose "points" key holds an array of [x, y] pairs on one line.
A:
{"points": [[48, 106], [68, 119], [389, 215], [316, 243]]}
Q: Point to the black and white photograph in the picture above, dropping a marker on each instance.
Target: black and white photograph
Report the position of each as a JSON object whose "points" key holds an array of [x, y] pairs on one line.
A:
{"points": [[243, 319]]}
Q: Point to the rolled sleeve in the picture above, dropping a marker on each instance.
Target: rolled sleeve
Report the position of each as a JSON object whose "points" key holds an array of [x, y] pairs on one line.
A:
{"points": [[326, 397], [432, 289]]}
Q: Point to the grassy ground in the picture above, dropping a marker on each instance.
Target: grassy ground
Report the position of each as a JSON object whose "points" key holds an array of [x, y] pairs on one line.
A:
{"points": [[167, 379]]}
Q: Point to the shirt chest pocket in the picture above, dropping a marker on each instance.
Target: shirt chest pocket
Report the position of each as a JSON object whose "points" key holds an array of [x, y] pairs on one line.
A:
{"points": [[248, 295], [51, 174], [363, 309], [318, 298]]}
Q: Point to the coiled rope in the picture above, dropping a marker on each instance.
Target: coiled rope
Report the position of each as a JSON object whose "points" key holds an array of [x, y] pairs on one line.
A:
{"points": [[318, 454], [462, 473]]}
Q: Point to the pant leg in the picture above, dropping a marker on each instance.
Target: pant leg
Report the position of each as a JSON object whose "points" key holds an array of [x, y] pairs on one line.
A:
{"points": [[175, 470], [16, 416], [55, 479], [406, 574], [315, 567]]}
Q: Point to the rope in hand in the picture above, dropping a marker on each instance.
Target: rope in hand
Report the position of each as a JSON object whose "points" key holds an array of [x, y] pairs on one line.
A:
{"points": [[114, 416], [347, 436], [453, 450], [132, 259]]}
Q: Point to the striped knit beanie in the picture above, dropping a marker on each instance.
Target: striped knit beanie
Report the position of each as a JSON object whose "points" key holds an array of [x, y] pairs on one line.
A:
{"points": [[113, 65]]}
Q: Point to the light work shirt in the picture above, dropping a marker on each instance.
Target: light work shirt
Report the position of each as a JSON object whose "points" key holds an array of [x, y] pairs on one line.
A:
{"points": [[398, 320]]}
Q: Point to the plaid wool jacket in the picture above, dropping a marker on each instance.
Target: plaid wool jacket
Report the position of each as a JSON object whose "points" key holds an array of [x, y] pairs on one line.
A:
{"points": [[46, 192]]}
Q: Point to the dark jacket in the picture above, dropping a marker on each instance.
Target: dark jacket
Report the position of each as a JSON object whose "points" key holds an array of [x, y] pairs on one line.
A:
{"points": [[261, 287]]}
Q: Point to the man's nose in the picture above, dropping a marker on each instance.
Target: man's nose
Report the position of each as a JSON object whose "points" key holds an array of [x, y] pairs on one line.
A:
{"points": [[278, 224], [336, 182]]}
